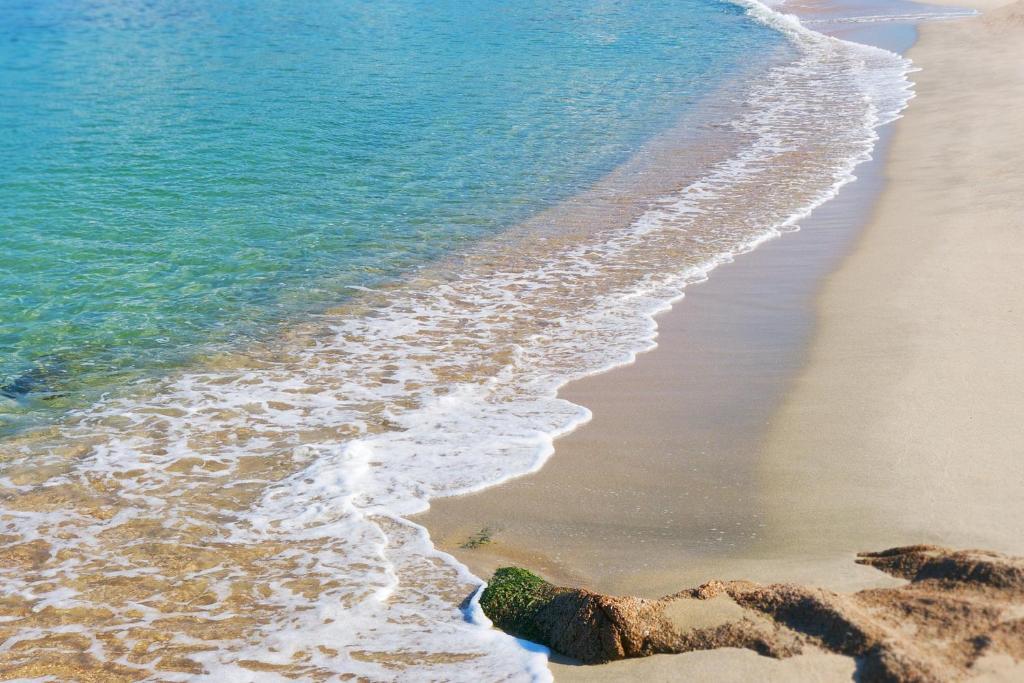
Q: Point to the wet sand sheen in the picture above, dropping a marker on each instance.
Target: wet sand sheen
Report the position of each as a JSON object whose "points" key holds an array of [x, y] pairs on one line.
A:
{"points": [[662, 488], [901, 427], [268, 487], [666, 474]]}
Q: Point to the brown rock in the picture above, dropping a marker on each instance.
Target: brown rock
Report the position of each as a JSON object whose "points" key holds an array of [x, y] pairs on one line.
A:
{"points": [[957, 607]]}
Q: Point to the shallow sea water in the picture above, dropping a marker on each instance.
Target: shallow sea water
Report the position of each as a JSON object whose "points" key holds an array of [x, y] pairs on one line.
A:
{"points": [[384, 300], [183, 177]]}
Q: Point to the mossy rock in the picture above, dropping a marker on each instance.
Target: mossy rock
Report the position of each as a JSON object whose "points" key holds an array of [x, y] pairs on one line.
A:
{"points": [[512, 599], [573, 621], [970, 596]]}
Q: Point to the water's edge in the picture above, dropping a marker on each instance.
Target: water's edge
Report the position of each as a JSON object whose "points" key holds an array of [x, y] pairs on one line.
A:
{"points": [[869, 173], [308, 461], [841, 218]]}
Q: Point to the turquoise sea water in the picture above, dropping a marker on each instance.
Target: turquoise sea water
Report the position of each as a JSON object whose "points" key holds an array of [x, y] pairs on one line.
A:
{"points": [[502, 196], [177, 176]]}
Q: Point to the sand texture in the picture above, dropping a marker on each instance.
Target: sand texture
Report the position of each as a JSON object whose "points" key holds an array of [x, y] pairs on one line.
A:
{"points": [[901, 424], [905, 424]]}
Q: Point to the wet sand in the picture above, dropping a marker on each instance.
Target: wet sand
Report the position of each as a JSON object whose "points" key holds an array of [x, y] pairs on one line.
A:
{"points": [[662, 488], [782, 426], [662, 485]]}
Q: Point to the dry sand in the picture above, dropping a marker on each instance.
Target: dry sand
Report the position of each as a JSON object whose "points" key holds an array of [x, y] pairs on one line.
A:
{"points": [[903, 423], [906, 423]]}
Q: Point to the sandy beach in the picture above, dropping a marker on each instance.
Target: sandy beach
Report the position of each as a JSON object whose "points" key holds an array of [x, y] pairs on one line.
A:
{"points": [[422, 341], [791, 417]]}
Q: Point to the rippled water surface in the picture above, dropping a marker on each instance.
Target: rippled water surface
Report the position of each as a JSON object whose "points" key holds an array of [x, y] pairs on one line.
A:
{"points": [[180, 175], [355, 250]]}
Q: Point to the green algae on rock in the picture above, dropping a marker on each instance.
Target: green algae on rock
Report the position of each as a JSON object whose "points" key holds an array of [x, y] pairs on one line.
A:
{"points": [[512, 598], [584, 625], [957, 608]]}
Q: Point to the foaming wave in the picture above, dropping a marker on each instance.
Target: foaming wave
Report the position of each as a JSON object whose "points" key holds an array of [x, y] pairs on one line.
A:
{"points": [[896, 17], [247, 521]]}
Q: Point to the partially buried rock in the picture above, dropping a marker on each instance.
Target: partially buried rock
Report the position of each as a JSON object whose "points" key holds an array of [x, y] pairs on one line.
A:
{"points": [[958, 607], [587, 626]]}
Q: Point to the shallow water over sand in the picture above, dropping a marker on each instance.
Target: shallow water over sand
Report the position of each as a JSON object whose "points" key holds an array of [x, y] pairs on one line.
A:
{"points": [[247, 515], [183, 177]]}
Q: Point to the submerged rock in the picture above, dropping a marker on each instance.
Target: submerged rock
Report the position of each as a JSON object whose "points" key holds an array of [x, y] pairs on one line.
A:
{"points": [[40, 380], [958, 607]]}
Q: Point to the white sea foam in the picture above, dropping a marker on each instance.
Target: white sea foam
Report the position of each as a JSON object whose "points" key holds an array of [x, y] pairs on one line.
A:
{"points": [[906, 17], [304, 464]]}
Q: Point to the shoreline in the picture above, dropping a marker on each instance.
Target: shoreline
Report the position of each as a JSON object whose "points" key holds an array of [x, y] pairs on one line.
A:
{"points": [[444, 383], [255, 507], [728, 383], [708, 385], [827, 405]]}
